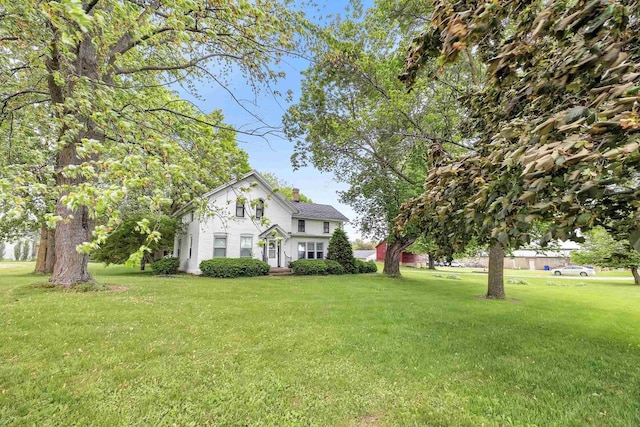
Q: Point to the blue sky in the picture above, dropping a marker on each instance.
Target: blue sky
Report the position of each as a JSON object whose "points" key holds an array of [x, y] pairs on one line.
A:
{"points": [[273, 153]]}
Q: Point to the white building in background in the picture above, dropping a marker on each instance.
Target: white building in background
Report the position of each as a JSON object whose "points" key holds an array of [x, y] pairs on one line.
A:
{"points": [[250, 219]]}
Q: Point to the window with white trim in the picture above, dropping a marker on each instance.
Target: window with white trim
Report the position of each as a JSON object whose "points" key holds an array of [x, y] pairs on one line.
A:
{"points": [[310, 250], [240, 208], [179, 247], [319, 250], [326, 226], [220, 247], [301, 225], [246, 244], [190, 245], [259, 208]]}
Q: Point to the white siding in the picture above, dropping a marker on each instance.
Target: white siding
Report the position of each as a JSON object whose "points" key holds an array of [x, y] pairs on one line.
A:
{"points": [[225, 222]]}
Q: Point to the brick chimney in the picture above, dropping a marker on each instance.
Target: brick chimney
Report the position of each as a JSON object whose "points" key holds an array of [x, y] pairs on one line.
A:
{"points": [[296, 195]]}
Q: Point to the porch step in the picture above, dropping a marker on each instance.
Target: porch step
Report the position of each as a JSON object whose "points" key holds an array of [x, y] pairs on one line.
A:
{"points": [[280, 271]]}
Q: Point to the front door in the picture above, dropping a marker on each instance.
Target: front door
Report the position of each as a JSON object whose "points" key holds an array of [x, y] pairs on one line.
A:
{"points": [[273, 252]]}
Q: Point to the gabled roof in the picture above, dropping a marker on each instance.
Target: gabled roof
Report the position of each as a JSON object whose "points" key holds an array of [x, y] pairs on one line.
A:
{"points": [[258, 177], [318, 211], [274, 230], [262, 181], [362, 253], [298, 209]]}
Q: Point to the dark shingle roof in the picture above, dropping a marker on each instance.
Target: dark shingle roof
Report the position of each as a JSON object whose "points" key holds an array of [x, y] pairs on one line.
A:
{"points": [[314, 210]]}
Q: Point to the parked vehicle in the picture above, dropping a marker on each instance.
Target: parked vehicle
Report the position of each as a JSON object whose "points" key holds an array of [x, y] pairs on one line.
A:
{"points": [[574, 270], [456, 264]]}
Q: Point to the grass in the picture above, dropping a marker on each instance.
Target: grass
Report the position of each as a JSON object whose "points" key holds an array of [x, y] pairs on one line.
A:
{"points": [[345, 351]]}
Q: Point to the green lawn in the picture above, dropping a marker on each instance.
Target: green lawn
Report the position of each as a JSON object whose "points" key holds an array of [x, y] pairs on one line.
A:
{"points": [[346, 351]]}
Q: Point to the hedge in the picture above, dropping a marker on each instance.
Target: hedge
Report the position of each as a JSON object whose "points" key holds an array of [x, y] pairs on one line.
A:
{"points": [[307, 267], [366, 267], [166, 266], [234, 267]]}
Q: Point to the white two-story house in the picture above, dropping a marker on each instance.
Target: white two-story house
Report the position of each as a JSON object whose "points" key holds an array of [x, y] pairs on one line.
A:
{"points": [[248, 218]]}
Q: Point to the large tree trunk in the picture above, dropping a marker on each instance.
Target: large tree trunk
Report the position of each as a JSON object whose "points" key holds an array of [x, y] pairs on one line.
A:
{"points": [[46, 251], [393, 254], [636, 275], [496, 272], [432, 264], [76, 226]]}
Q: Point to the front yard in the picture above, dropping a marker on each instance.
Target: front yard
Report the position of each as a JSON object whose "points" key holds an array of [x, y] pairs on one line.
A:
{"points": [[337, 350]]}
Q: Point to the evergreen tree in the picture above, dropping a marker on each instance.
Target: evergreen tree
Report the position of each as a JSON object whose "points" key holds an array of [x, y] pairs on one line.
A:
{"points": [[340, 250]]}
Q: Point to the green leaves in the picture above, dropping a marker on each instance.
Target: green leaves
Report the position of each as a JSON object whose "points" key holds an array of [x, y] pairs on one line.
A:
{"points": [[557, 117], [634, 239], [89, 123], [356, 119]]}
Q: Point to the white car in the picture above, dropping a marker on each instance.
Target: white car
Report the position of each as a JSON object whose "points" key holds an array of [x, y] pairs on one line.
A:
{"points": [[574, 270], [456, 264]]}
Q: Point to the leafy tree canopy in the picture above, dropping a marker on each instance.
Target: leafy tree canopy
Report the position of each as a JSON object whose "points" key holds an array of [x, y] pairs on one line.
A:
{"points": [[558, 121], [87, 117], [602, 249], [360, 244], [132, 234], [355, 118]]}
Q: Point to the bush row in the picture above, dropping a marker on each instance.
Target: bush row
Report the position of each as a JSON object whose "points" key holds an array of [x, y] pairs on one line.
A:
{"points": [[366, 267], [247, 267], [307, 267], [166, 266], [234, 267]]}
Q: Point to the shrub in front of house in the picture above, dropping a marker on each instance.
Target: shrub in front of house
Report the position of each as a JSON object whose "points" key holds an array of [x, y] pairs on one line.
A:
{"points": [[234, 267], [366, 267], [334, 267], [314, 267], [340, 250], [166, 266]]}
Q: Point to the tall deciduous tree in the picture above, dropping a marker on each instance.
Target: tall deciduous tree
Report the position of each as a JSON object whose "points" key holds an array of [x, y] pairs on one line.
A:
{"points": [[559, 122], [355, 119], [604, 250], [87, 116]]}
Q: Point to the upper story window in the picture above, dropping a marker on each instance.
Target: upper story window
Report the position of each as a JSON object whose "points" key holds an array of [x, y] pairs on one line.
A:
{"points": [[240, 208], [260, 209], [301, 225], [191, 217], [325, 227]]}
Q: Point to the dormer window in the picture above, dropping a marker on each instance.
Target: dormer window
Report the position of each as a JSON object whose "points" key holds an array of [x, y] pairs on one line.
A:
{"points": [[240, 208], [260, 209]]}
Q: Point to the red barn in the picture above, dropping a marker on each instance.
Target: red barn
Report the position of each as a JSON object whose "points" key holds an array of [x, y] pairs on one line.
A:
{"points": [[407, 258]]}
